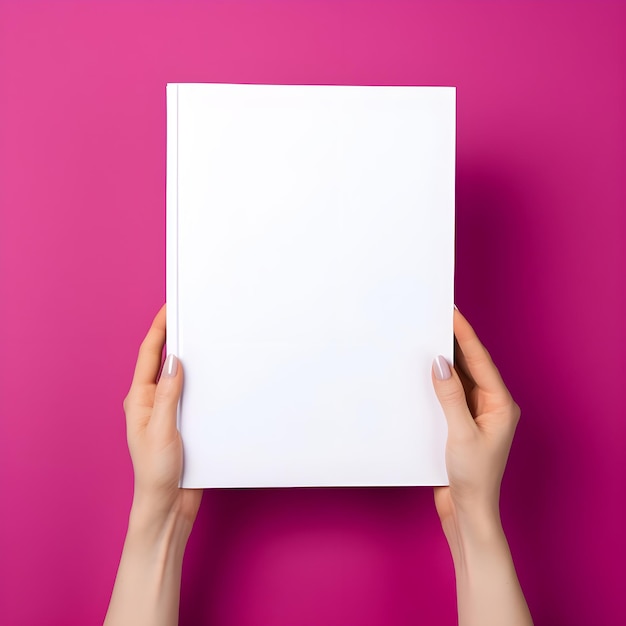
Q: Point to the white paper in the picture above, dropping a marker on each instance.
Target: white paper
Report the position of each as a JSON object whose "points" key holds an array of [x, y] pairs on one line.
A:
{"points": [[310, 272]]}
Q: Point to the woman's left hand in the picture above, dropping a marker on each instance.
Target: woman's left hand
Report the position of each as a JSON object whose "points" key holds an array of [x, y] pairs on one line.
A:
{"points": [[147, 586], [154, 441]]}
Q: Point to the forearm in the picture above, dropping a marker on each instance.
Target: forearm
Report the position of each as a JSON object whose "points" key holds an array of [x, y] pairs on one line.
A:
{"points": [[488, 590], [147, 586]]}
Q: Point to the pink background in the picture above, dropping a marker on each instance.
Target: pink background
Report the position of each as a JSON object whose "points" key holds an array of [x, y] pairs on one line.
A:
{"points": [[540, 266]]}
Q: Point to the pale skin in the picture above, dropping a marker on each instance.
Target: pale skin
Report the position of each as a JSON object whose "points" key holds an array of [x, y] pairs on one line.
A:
{"points": [[481, 415]]}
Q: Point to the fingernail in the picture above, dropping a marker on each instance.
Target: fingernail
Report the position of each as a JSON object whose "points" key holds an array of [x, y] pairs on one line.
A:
{"points": [[442, 369], [456, 307], [170, 367]]}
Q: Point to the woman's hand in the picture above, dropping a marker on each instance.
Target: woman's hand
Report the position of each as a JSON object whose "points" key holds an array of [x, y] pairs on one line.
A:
{"points": [[482, 418], [154, 442], [147, 586]]}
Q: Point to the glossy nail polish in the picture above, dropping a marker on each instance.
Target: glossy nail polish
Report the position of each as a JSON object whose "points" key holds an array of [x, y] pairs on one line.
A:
{"points": [[441, 368], [170, 367]]}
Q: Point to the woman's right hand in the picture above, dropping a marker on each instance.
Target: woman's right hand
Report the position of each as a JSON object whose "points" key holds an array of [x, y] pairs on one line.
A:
{"points": [[482, 418]]}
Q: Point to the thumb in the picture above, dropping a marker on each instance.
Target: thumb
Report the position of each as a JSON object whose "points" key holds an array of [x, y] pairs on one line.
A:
{"points": [[449, 390], [166, 396]]}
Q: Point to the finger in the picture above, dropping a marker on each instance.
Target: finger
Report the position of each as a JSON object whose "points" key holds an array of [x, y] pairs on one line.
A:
{"points": [[474, 359], [166, 396], [150, 352], [451, 395]]}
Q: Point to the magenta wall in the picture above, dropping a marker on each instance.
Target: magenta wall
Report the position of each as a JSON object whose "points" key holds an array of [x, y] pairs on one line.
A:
{"points": [[540, 267]]}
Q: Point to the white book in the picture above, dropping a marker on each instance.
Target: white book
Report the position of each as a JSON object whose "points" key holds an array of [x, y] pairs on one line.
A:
{"points": [[310, 273]]}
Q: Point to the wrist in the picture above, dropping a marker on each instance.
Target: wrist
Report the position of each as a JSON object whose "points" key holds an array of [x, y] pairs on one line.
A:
{"points": [[147, 586], [477, 544], [473, 529], [151, 528]]}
